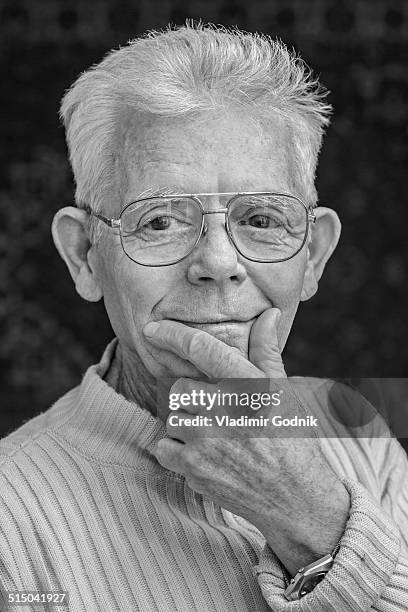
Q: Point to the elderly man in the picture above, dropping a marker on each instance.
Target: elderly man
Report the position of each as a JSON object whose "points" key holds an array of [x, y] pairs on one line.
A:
{"points": [[194, 152]]}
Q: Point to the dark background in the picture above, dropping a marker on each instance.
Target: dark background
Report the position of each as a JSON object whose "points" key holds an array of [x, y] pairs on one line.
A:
{"points": [[354, 327]]}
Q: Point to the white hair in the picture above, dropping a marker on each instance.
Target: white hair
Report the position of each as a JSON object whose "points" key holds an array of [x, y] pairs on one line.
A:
{"points": [[188, 71]]}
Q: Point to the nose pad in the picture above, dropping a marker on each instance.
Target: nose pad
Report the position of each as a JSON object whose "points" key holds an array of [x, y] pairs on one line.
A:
{"points": [[205, 229]]}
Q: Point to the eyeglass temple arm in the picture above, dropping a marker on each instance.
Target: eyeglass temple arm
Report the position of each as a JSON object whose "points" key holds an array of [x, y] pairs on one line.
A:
{"points": [[109, 222]]}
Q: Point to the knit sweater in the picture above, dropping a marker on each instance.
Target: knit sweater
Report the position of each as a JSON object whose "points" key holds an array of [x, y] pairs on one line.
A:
{"points": [[87, 509]]}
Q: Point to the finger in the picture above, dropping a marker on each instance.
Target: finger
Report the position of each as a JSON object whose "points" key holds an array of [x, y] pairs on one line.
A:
{"points": [[264, 350], [179, 426], [211, 356], [189, 395], [168, 454]]}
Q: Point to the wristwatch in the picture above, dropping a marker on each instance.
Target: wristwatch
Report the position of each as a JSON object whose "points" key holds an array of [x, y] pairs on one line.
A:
{"points": [[309, 576]]}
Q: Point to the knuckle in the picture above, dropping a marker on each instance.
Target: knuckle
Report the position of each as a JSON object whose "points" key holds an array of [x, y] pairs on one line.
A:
{"points": [[191, 458], [169, 334], [270, 363], [193, 344], [223, 363], [194, 462]]}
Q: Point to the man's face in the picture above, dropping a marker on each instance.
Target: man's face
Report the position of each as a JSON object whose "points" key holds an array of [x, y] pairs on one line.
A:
{"points": [[214, 289]]}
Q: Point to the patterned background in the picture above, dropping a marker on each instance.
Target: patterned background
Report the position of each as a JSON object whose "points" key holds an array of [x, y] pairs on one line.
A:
{"points": [[354, 327]]}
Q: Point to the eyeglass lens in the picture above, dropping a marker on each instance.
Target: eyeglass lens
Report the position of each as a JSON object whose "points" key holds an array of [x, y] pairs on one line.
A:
{"points": [[161, 231]]}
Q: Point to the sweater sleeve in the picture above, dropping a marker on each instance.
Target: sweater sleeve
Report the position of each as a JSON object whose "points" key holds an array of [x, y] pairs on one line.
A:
{"points": [[370, 571]]}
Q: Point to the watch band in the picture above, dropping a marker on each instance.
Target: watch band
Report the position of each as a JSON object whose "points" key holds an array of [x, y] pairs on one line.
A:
{"points": [[309, 576]]}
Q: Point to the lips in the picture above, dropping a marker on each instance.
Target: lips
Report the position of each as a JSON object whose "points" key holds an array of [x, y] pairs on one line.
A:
{"points": [[203, 321], [217, 325]]}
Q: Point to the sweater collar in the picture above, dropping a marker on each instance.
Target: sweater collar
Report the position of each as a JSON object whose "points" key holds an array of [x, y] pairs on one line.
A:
{"points": [[105, 426]]}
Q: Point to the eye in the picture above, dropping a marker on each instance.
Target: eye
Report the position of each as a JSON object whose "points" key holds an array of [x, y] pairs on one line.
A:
{"points": [[259, 221], [159, 223]]}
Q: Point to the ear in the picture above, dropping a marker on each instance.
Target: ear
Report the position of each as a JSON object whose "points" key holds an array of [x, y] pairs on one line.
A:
{"points": [[325, 234], [72, 242]]}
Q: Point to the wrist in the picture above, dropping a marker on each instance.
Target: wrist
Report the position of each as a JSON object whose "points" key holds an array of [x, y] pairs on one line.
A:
{"points": [[305, 538], [309, 576]]}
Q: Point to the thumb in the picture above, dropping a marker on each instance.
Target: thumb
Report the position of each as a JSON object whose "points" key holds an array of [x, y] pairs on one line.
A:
{"points": [[264, 350]]}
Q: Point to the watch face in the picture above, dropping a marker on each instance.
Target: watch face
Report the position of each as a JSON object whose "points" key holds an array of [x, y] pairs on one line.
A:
{"points": [[310, 582]]}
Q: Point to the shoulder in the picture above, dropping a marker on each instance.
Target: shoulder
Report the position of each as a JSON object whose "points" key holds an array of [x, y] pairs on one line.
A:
{"points": [[354, 436], [20, 441], [343, 411], [31, 477]]}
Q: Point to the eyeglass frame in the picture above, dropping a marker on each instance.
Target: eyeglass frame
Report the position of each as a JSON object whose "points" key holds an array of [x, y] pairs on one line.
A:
{"points": [[116, 223]]}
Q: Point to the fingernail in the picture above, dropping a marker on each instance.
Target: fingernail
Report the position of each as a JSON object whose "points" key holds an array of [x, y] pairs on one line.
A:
{"points": [[151, 328], [277, 316]]}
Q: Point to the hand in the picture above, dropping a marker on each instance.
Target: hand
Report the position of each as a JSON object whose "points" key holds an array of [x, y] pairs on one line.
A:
{"points": [[283, 486], [214, 358]]}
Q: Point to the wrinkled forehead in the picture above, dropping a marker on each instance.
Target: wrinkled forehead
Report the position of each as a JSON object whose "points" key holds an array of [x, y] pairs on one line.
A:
{"points": [[228, 151]]}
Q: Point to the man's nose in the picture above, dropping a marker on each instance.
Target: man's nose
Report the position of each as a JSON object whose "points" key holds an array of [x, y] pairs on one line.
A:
{"points": [[215, 258]]}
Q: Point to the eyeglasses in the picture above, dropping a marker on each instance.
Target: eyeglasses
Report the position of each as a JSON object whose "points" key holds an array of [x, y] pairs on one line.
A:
{"points": [[265, 227]]}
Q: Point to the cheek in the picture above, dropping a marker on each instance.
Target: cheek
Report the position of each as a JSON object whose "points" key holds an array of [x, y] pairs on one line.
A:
{"points": [[133, 294], [130, 294], [282, 283]]}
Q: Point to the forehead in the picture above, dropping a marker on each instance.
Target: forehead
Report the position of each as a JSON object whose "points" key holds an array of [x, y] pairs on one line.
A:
{"points": [[229, 152]]}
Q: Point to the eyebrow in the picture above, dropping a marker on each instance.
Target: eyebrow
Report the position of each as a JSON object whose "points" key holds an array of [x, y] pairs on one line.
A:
{"points": [[176, 189], [152, 192]]}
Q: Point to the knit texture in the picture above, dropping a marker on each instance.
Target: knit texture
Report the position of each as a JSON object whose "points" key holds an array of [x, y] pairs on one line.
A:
{"points": [[87, 509]]}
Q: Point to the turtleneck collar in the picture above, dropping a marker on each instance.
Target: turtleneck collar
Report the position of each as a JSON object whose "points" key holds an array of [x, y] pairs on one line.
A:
{"points": [[105, 426]]}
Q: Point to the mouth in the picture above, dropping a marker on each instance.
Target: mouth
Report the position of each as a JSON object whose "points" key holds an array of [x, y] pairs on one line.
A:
{"points": [[203, 322], [217, 325]]}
